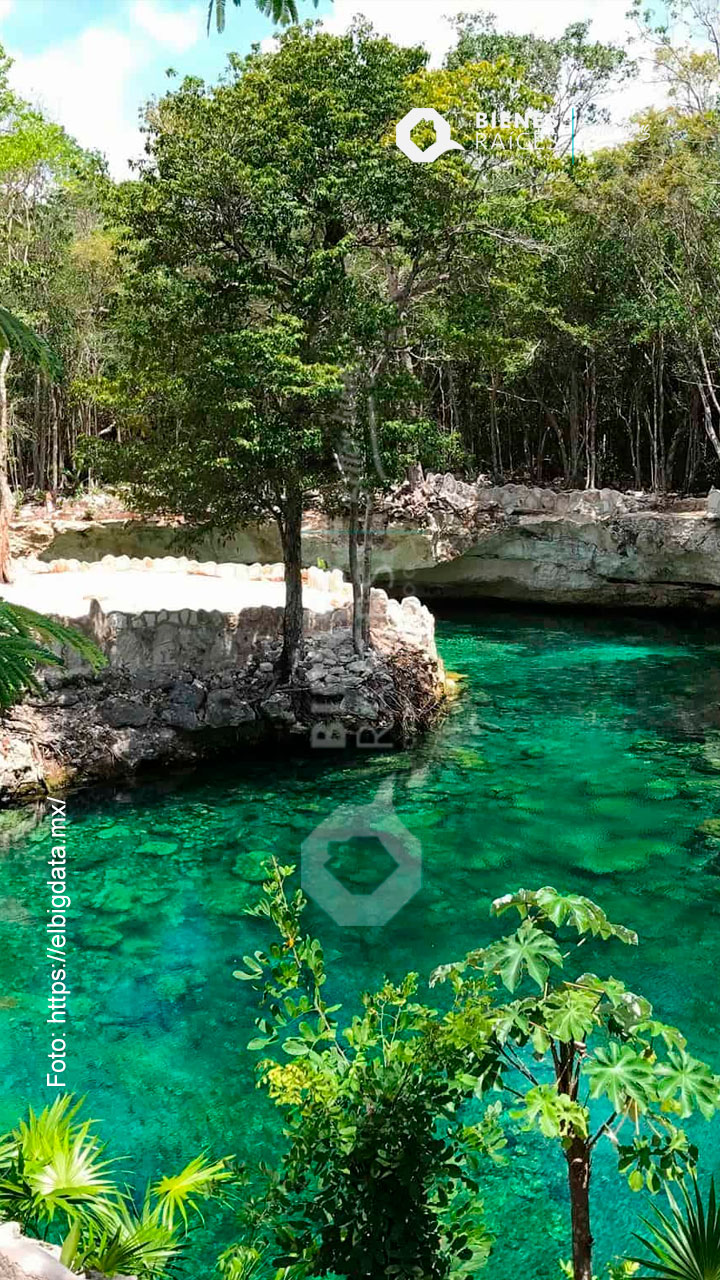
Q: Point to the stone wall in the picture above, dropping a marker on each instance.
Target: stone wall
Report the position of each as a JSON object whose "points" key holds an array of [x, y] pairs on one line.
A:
{"points": [[183, 685], [216, 640]]}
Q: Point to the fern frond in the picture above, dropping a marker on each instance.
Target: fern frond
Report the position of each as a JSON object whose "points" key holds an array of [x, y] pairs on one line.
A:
{"points": [[21, 652], [19, 337]]}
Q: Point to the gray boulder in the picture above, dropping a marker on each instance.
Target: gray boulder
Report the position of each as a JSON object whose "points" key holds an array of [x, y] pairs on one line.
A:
{"points": [[225, 710], [121, 713]]}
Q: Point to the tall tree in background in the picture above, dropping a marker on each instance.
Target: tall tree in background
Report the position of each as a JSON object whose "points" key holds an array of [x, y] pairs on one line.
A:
{"points": [[685, 35], [43, 176], [575, 72]]}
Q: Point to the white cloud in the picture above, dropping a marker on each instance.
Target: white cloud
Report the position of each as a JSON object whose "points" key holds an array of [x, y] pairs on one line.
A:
{"points": [[86, 83], [81, 83], [5, 8], [175, 30], [94, 83]]}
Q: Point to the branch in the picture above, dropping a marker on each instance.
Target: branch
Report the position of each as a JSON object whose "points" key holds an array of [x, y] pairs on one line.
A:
{"points": [[603, 1129]]}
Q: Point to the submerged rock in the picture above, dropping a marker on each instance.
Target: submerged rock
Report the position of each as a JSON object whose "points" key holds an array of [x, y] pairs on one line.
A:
{"points": [[710, 829], [249, 866]]}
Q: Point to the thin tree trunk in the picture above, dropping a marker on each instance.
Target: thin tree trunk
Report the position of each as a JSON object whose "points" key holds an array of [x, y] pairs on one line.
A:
{"points": [[354, 521], [495, 445], [707, 413], [577, 1154], [561, 443], [578, 1161], [6, 498], [367, 568], [37, 431], [590, 427], [661, 411], [540, 456], [574, 414], [291, 534]]}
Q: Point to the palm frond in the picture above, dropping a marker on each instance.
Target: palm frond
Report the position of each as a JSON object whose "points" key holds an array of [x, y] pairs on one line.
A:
{"points": [[284, 12], [51, 1163], [198, 1180], [53, 1174], [19, 337], [129, 1243], [21, 650], [684, 1244]]}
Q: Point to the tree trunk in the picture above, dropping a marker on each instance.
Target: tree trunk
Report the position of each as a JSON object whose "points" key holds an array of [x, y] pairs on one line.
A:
{"points": [[290, 532], [591, 475], [578, 1160], [6, 498], [707, 412], [574, 414], [367, 568], [354, 521], [495, 444]]}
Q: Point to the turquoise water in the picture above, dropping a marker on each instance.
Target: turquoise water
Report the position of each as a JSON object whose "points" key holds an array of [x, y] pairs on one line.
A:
{"points": [[584, 752]]}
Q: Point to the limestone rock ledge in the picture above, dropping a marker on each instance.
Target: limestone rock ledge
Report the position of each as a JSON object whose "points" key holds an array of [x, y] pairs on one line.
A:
{"points": [[22, 1258], [446, 538], [184, 685], [440, 536]]}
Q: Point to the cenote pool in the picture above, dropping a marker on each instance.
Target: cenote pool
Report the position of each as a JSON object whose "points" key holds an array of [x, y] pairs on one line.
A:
{"points": [[585, 753]]}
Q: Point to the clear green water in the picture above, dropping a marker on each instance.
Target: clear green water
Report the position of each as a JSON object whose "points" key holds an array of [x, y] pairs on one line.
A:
{"points": [[583, 753]]}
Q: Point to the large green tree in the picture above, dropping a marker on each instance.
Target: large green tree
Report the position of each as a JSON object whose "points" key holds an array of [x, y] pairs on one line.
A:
{"points": [[279, 248]]}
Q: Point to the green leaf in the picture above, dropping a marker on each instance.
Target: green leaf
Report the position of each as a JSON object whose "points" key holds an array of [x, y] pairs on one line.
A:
{"points": [[19, 337], [529, 950], [553, 1113], [570, 1013], [564, 909], [621, 1074], [21, 652], [689, 1083]]}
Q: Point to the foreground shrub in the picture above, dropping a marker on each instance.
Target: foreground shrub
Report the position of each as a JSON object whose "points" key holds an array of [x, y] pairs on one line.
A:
{"points": [[382, 1173], [56, 1182]]}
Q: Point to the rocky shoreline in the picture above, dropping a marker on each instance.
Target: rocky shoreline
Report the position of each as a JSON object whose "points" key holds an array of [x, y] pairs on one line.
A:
{"points": [[201, 684], [188, 683]]}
